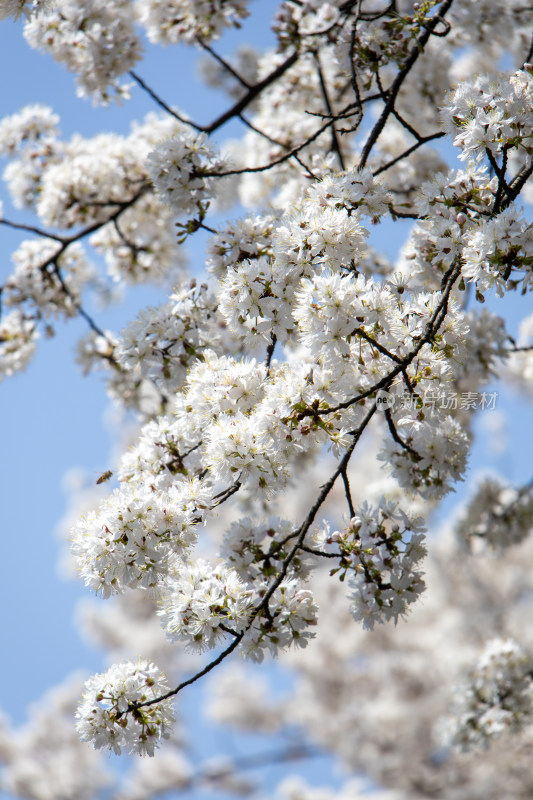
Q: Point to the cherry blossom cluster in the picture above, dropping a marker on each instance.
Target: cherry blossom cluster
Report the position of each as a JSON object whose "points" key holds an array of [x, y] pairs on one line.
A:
{"points": [[499, 514], [172, 21], [236, 423], [83, 181], [248, 238], [490, 114], [18, 336], [95, 40], [379, 553], [494, 249], [27, 128], [46, 278], [108, 715], [352, 190], [367, 326], [136, 535], [287, 622], [30, 139], [498, 696], [17, 8], [427, 456], [202, 603], [325, 231], [453, 204], [166, 447], [258, 551], [162, 343], [487, 346], [310, 18], [81, 187], [257, 447], [180, 171], [383, 40]]}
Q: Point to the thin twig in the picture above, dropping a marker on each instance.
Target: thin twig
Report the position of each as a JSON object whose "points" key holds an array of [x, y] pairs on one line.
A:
{"points": [[32, 229], [408, 152], [334, 137], [383, 350], [280, 160], [160, 102], [397, 438], [224, 64]]}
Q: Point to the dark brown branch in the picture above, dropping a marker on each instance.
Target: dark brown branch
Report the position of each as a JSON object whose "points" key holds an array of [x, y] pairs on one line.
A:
{"points": [[407, 125], [520, 349], [78, 307], [251, 94], [383, 350], [227, 630], [353, 74], [416, 50], [32, 229], [434, 31], [222, 496], [252, 127], [334, 137], [518, 182], [529, 56], [397, 438], [212, 664], [235, 110], [280, 160], [408, 152], [320, 553], [348, 493], [500, 174], [224, 63], [66, 241], [160, 102], [325, 490]]}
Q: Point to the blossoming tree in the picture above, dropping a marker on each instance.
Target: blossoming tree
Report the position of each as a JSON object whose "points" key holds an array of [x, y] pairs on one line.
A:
{"points": [[303, 403]]}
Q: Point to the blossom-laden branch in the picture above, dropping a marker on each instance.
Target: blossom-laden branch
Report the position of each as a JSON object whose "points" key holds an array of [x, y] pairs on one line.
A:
{"points": [[97, 726], [305, 331], [392, 94]]}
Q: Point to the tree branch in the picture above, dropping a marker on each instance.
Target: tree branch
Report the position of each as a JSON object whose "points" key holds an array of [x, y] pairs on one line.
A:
{"points": [[416, 50]]}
